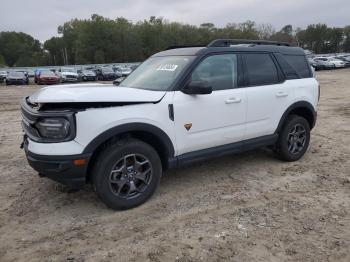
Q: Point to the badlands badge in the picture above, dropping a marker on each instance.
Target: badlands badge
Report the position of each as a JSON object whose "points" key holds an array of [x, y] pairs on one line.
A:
{"points": [[188, 126]]}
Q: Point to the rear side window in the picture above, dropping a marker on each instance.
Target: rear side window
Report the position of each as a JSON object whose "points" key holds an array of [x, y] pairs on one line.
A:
{"points": [[299, 64], [260, 69]]}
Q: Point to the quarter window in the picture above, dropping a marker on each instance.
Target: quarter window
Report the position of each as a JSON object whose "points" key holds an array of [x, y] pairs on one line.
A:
{"points": [[220, 71], [299, 63], [260, 69]]}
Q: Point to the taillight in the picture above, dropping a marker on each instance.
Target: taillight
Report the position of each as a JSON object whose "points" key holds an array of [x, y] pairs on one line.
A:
{"points": [[319, 91]]}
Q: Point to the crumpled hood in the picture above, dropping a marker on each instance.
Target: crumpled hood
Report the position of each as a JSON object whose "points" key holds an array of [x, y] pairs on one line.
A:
{"points": [[93, 93]]}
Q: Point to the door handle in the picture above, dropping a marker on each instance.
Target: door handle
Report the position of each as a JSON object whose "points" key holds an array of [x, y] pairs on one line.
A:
{"points": [[233, 100], [281, 94]]}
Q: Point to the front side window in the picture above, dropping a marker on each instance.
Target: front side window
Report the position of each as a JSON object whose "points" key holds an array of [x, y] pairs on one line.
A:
{"points": [[157, 73], [219, 71], [260, 69]]}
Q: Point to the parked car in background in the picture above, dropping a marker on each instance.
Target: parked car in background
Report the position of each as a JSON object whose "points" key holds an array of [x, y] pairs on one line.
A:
{"points": [[25, 72], [68, 75], [3, 75], [320, 64], [37, 73], [48, 78], [88, 75], [123, 71], [106, 73], [342, 58], [336, 62], [347, 57], [31, 73], [16, 78], [323, 63]]}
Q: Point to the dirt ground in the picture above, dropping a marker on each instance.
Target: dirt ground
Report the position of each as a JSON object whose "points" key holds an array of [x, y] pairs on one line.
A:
{"points": [[247, 207]]}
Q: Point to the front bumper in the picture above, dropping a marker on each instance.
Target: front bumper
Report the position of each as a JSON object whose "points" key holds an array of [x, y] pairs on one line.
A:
{"points": [[16, 81], [89, 78], [69, 80], [62, 169]]}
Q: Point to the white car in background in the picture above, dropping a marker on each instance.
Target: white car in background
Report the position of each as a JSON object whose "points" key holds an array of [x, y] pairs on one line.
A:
{"points": [[336, 62], [68, 74], [123, 71]]}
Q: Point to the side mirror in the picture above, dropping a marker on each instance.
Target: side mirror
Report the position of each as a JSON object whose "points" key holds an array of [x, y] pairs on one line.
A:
{"points": [[118, 81], [198, 88]]}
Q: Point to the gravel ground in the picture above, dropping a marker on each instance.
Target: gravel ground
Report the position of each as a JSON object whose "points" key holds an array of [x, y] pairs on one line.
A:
{"points": [[247, 207]]}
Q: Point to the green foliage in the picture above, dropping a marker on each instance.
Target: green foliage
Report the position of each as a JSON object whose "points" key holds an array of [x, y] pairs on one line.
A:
{"points": [[104, 40], [2, 61], [20, 48]]}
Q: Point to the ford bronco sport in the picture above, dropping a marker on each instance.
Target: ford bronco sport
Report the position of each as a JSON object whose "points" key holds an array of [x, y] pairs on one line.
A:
{"points": [[181, 105]]}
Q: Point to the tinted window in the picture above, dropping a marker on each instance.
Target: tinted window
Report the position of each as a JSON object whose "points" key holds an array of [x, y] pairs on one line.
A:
{"points": [[288, 70], [300, 64], [220, 71], [261, 69]]}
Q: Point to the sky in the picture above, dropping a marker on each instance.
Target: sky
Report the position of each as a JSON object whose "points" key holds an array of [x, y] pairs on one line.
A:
{"points": [[40, 18]]}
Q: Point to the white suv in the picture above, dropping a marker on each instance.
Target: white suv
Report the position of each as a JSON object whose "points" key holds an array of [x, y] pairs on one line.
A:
{"points": [[180, 106]]}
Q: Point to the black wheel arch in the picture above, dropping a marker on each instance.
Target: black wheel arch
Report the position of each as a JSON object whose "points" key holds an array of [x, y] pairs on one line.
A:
{"points": [[301, 108], [147, 133]]}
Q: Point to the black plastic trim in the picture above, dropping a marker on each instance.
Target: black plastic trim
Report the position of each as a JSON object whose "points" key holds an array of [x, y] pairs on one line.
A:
{"points": [[59, 168], [204, 154], [131, 127], [171, 111], [301, 105]]}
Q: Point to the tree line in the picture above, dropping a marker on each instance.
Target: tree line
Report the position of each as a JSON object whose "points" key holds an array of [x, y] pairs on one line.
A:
{"points": [[103, 40]]}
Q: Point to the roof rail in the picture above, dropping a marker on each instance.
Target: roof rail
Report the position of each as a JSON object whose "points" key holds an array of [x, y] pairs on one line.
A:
{"points": [[182, 46], [229, 42]]}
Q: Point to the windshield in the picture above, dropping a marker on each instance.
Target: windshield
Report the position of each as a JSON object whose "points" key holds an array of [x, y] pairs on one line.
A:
{"points": [[107, 70], [88, 72], [48, 73], [157, 73], [16, 74], [71, 70]]}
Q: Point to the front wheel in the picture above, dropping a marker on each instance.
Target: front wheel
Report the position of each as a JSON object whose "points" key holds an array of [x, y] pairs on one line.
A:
{"points": [[126, 174], [293, 139]]}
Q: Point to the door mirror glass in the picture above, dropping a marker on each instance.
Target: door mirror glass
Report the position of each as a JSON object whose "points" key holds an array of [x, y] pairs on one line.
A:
{"points": [[198, 88]]}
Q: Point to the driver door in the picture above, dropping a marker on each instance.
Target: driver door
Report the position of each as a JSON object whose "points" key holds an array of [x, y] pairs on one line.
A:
{"points": [[206, 121]]}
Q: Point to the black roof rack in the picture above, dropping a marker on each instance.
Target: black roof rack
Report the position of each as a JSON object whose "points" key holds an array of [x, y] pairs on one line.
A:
{"points": [[229, 42], [182, 46]]}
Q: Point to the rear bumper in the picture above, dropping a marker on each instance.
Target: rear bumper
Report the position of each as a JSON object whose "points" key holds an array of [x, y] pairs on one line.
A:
{"points": [[59, 168]]}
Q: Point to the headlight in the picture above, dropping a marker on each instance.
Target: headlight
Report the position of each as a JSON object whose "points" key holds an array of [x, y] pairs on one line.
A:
{"points": [[53, 128]]}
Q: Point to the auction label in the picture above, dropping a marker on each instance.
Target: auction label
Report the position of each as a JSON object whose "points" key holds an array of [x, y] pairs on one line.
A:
{"points": [[167, 67]]}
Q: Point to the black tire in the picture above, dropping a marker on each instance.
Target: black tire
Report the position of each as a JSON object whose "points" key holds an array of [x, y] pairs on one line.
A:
{"points": [[106, 166], [291, 147]]}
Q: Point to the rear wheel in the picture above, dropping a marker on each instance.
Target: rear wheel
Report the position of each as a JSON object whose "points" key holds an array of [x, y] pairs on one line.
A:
{"points": [[126, 174], [293, 139]]}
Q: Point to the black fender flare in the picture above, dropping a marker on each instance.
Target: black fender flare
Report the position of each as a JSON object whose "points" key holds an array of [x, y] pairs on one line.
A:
{"points": [[298, 105], [131, 127]]}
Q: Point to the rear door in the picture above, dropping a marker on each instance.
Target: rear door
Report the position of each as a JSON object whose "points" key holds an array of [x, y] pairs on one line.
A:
{"points": [[268, 94]]}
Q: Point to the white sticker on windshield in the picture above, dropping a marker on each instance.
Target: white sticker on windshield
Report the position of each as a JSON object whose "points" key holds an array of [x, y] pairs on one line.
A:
{"points": [[167, 67]]}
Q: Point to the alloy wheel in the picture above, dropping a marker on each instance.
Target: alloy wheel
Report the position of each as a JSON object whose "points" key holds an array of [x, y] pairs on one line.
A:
{"points": [[130, 176], [296, 139]]}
